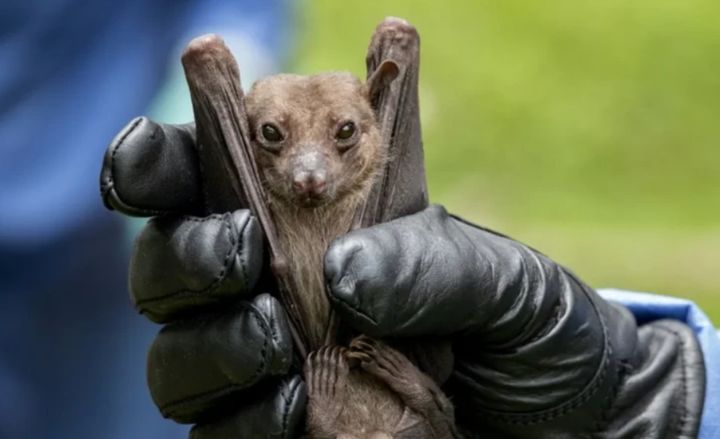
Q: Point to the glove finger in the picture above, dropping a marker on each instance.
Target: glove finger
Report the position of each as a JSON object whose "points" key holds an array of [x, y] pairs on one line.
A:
{"points": [[279, 414], [414, 276], [152, 168], [182, 263], [199, 365]]}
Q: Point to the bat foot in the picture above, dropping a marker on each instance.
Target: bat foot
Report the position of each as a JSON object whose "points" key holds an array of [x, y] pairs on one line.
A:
{"points": [[384, 362], [417, 390], [326, 372]]}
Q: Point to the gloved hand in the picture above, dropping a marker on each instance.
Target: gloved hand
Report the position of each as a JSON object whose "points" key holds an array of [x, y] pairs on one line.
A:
{"points": [[537, 352], [224, 356]]}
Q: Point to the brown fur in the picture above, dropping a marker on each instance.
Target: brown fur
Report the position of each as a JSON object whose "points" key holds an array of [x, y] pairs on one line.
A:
{"points": [[373, 391], [308, 110], [344, 401], [295, 227]]}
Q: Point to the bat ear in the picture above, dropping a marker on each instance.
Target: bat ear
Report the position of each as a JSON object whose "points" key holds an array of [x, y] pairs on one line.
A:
{"points": [[381, 78]]}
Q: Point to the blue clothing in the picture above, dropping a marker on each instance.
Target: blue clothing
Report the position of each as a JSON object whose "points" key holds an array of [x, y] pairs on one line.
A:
{"points": [[72, 350], [73, 73], [648, 307]]}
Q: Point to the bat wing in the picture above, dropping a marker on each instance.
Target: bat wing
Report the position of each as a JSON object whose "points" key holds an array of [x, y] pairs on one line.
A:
{"points": [[402, 188], [231, 178]]}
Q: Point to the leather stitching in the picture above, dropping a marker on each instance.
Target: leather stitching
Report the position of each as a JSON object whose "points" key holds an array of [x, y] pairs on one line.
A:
{"points": [[623, 369], [109, 184], [106, 185], [224, 390], [273, 325], [272, 317], [218, 279], [288, 399], [351, 308], [683, 375], [195, 219]]}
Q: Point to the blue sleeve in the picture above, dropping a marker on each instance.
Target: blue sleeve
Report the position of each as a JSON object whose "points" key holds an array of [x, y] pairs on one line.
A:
{"points": [[648, 307]]}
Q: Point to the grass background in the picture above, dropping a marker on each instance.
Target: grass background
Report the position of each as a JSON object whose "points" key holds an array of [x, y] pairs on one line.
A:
{"points": [[587, 129]]}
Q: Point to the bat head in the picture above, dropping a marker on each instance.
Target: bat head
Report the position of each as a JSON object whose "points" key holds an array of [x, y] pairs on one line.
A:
{"points": [[316, 137]]}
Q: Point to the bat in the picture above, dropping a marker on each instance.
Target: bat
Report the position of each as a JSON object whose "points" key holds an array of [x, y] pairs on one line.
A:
{"points": [[229, 162]]}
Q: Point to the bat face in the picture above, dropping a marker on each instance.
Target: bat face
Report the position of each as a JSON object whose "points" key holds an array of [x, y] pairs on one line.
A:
{"points": [[316, 137]]}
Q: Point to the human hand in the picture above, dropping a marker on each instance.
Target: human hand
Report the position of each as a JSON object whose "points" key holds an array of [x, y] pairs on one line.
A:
{"points": [[537, 352], [223, 358]]}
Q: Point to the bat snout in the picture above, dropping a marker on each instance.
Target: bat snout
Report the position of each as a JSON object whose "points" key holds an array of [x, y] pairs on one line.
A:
{"points": [[309, 178], [310, 183]]}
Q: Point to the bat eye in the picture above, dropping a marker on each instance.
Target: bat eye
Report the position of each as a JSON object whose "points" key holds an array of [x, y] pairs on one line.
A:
{"points": [[346, 131], [271, 133]]}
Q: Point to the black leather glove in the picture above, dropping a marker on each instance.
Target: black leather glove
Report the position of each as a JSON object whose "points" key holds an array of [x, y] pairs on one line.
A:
{"points": [[223, 358], [538, 354]]}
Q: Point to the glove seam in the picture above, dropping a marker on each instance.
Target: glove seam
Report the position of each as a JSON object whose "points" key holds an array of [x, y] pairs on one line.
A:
{"points": [[167, 409], [351, 308], [286, 406], [623, 369], [218, 279], [273, 332], [108, 186], [680, 428]]}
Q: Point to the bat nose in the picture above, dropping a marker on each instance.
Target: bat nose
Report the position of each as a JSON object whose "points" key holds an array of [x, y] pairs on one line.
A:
{"points": [[309, 183], [310, 172]]}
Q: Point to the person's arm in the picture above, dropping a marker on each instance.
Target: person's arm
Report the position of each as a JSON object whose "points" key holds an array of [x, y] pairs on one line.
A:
{"points": [[537, 352]]}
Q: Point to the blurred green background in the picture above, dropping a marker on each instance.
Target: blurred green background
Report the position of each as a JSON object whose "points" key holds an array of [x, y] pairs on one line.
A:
{"points": [[588, 129]]}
